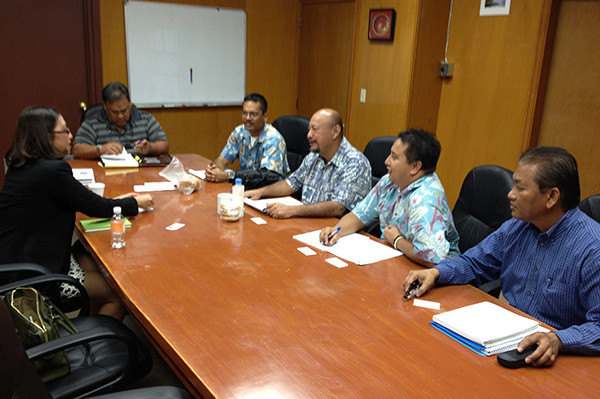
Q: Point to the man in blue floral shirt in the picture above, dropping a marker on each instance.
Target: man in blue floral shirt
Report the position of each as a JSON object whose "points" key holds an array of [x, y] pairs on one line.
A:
{"points": [[333, 178], [409, 202], [256, 144]]}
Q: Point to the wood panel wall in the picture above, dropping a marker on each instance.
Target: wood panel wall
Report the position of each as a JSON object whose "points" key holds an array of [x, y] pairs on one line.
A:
{"points": [[571, 117], [485, 113], [270, 70], [487, 108], [384, 69]]}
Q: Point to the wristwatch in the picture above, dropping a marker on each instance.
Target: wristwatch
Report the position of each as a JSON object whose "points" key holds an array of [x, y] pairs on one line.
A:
{"points": [[98, 147], [231, 174]]}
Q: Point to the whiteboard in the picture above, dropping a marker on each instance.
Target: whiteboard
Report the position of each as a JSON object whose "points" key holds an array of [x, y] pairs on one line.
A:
{"points": [[185, 55]]}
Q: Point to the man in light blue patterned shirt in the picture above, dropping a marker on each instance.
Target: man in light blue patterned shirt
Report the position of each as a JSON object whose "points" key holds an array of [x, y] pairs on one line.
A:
{"points": [[410, 203], [547, 257], [256, 144], [333, 178]]}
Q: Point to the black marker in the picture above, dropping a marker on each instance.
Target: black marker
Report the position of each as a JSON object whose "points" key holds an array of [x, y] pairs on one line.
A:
{"points": [[412, 290]]}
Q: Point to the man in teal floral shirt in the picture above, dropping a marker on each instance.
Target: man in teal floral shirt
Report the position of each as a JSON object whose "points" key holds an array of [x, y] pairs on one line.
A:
{"points": [[409, 202], [256, 144]]}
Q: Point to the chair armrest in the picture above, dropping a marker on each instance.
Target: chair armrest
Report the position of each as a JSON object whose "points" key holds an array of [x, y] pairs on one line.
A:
{"points": [[85, 337], [23, 267], [56, 278], [492, 287]]}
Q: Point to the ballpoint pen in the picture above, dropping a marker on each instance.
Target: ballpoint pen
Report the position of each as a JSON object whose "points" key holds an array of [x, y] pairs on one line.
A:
{"points": [[330, 236]]}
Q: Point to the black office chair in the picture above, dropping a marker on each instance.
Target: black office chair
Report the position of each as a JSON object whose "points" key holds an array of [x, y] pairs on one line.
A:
{"points": [[20, 380], [482, 204], [91, 111], [294, 130], [481, 208], [591, 207], [377, 150], [104, 356]]}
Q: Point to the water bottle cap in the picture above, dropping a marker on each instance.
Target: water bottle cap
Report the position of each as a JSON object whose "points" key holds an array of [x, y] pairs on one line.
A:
{"points": [[117, 209], [238, 180]]}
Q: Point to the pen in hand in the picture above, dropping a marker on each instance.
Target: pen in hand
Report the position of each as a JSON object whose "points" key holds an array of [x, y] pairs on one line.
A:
{"points": [[412, 290], [330, 236]]}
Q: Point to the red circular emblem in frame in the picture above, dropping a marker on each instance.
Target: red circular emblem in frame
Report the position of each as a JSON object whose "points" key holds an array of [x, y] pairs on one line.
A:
{"points": [[381, 24]]}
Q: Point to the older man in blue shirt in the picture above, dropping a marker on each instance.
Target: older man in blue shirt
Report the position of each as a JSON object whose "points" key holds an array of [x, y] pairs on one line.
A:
{"points": [[547, 257], [333, 178]]}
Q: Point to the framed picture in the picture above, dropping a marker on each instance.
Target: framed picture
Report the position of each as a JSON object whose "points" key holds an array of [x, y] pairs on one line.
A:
{"points": [[381, 24], [494, 7]]}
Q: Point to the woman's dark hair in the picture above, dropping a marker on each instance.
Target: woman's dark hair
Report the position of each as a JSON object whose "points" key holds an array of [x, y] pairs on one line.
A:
{"points": [[32, 140]]}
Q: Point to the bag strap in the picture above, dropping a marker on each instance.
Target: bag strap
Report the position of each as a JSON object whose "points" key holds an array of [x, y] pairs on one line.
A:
{"points": [[60, 318]]}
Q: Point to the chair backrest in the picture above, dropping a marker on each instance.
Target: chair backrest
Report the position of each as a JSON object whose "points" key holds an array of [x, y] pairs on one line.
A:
{"points": [[377, 150], [294, 130], [91, 111], [482, 204], [591, 206]]}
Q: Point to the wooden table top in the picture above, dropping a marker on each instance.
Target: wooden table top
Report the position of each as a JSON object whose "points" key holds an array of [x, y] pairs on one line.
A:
{"points": [[239, 312]]}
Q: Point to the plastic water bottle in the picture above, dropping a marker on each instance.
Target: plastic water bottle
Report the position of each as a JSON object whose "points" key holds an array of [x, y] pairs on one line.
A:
{"points": [[117, 228], [238, 195]]}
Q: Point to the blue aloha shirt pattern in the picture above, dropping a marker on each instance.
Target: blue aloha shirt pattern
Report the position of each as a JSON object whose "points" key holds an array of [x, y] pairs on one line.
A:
{"points": [[345, 179], [420, 212], [269, 151]]}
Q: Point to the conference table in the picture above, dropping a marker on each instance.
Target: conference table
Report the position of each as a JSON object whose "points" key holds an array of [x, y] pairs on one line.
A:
{"points": [[238, 311]]}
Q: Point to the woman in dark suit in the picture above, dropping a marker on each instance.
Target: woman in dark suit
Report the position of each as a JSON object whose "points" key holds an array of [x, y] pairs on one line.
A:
{"points": [[39, 200]]}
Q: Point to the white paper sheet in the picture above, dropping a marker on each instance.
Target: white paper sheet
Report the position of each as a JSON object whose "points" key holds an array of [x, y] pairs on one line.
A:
{"points": [[261, 204], [154, 186], [355, 248], [201, 174], [122, 160], [84, 175]]}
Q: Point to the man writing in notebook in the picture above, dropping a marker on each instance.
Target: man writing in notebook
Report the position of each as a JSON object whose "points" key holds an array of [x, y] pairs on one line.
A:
{"points": [[333, 177], [409, 202], [547, 256], [119, 125], [255, 143]]}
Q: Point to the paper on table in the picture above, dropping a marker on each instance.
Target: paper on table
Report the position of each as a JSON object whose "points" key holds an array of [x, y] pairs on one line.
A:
{"points": [[122, 160], [306, 251], [336, 262], [426, 304], [198, 173], [84, 175], [354, 248], [116, 157], [259, 221], [154, 186], [261, 204]]}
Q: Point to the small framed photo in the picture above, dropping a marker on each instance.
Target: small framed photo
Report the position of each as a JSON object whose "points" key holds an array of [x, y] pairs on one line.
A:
{"points": [[381, 24], [494, 7]]}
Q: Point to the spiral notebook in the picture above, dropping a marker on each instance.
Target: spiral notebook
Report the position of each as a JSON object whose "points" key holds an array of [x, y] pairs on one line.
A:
{"points": [[486, 327]]}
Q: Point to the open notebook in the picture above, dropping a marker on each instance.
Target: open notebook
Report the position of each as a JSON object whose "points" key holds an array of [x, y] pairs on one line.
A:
{"points": [[486, 327]]}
